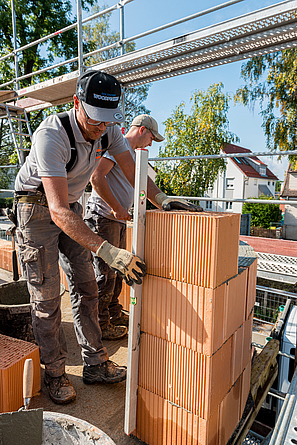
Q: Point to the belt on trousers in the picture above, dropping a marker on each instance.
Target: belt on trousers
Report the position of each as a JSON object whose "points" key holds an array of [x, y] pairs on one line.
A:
{"points": [[31, 198]]}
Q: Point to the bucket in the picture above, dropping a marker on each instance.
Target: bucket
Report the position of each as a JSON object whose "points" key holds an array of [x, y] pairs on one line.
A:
{"points": [[61, 429], [15, 310]]}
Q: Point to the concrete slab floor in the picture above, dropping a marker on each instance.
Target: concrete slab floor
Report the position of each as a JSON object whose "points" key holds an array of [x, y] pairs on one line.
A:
{"points": [[101, 405]]}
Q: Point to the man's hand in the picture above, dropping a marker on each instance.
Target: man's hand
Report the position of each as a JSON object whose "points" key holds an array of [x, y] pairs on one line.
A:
{"points": [[130, 267], [176, 203]]}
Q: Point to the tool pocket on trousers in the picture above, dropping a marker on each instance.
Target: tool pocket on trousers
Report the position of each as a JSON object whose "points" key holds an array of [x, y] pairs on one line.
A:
{"points": [[31, 260]]}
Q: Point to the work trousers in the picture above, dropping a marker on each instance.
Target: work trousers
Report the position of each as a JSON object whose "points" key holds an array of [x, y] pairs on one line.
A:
{"points": [[41, 245], [109, 283]]}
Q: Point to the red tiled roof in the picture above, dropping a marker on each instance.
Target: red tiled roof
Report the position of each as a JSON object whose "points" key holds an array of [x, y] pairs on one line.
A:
{"points": [[248, 170]]}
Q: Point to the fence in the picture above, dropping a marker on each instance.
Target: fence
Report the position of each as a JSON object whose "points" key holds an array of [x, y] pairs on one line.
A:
{"points": [[269, 302]]}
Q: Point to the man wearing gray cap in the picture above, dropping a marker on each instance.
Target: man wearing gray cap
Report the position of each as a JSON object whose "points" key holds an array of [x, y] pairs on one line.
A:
{"points": [[106, 214], [64, 156]]}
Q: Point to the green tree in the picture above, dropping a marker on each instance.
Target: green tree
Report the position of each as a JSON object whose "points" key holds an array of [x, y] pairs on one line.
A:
{"points": [[204, 131], [262, 214], [98, 34], [278, 186], [36, 19], [271, 80]]}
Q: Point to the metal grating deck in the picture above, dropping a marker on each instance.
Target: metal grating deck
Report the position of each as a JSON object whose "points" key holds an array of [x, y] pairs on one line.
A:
{"points": [[267, 30], [259, 32], [277, 267]]}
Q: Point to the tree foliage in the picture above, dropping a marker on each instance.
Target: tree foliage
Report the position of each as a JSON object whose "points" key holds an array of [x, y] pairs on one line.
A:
{"points": [[271, 80], [36, 19], [262, 214], [203, 131], [98, 34]]}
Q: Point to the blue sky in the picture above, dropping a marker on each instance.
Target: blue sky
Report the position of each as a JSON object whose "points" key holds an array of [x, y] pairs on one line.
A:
{"points": [[165, 95]]}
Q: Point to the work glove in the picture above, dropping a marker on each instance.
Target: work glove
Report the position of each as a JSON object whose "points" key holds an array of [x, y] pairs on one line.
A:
{"points": [[176, 203], [129, 266]]}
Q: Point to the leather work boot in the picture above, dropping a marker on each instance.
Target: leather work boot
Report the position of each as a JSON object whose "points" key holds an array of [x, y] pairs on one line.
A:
{"points": [[111, 332], [107, 372], [60, 389], [122, 320]]}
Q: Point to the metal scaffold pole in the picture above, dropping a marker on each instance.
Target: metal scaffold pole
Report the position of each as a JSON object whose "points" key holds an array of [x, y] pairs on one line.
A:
{"points": [[140, 191], [79, 38]]}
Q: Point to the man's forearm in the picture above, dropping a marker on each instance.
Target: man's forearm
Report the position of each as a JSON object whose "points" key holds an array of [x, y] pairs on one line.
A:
{"points": [[75, 228]]}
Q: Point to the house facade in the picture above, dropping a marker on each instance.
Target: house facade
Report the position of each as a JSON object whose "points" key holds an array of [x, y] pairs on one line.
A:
{"points": [[244, 178], [289, 192]]}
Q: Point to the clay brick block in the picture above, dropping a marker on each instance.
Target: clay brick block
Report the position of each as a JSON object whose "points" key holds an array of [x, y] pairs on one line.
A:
{"points": [[195, 382], [13, 353], [195, 248], [192, 316], [124, 297], [245, 386], [251, 288], [239, 348], [235, 302], [161, 423], [230, 412], [248, 331]]}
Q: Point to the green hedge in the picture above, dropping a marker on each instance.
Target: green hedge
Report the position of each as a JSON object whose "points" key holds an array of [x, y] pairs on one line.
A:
{"points": [[6, 203]]}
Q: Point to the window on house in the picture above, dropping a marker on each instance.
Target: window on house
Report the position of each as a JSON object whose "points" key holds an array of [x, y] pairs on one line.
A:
{"points": [[210, 204], [230, 183], [262, 170], [255, 181], [229, 205], [206, 204], [272, 182], [268, 183]]}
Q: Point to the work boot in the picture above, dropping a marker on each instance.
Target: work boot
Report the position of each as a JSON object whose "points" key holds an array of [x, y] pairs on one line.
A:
{"points": [[111, 332], [122, 320], [107, 372], [60, 389]]}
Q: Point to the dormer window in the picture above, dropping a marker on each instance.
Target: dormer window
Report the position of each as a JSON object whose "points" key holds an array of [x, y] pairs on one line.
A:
{"points": [[262, 170]]}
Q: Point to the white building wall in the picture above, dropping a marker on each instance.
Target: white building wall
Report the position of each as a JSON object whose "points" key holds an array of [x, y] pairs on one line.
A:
{"points": [[237, 186], [290, 226]]}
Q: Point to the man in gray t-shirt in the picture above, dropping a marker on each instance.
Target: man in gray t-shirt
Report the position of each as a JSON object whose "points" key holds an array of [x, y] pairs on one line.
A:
{"points": [[50, 229], [107, 215]]}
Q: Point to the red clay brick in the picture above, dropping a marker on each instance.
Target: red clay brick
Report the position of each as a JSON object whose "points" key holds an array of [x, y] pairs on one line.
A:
{"points": [[195, 382], [246, 386], [248, 331], [161, 423], [13, 353], [235, 303], [199, 249], [238, 346], [230, 412], [251, 288]]}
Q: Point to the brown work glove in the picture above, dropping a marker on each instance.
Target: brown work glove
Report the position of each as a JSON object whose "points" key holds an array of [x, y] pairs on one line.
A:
{"points": [[129, 266], [176, 203]]}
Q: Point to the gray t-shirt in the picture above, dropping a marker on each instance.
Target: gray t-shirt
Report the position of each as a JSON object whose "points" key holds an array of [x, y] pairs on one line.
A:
{"points": [[51, 151], [120, 187]]}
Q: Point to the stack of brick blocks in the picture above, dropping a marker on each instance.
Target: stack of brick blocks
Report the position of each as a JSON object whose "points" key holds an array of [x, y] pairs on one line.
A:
{"points": [[196, 329], [13, 353]]}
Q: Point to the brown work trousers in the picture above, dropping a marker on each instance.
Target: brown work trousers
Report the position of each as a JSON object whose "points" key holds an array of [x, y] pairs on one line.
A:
{"points": [[41, 246]]}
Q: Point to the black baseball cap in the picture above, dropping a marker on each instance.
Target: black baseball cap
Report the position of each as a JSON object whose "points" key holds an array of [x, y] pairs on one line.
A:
{"points": [[100, 94]]}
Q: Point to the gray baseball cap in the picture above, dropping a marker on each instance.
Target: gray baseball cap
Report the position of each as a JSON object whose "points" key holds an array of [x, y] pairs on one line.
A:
{"points": [[144, 120]]}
